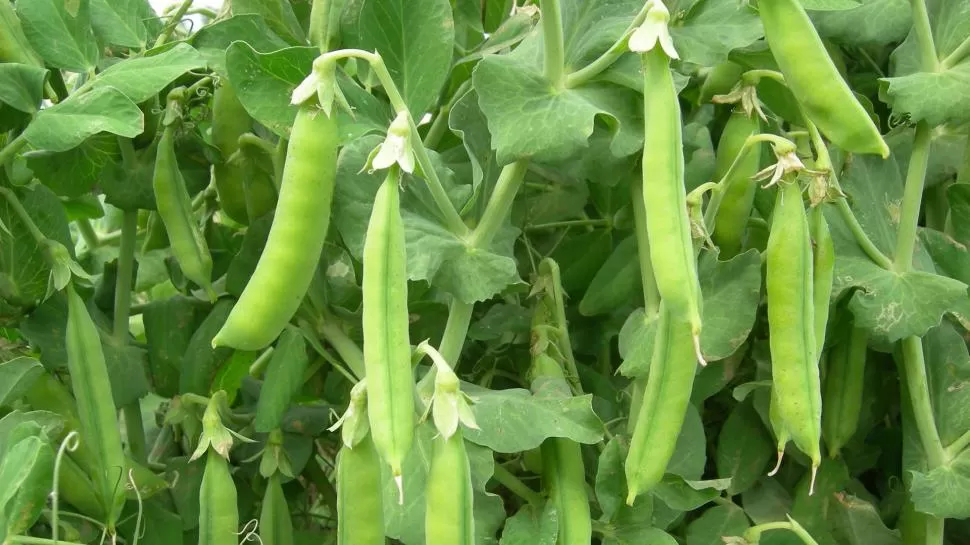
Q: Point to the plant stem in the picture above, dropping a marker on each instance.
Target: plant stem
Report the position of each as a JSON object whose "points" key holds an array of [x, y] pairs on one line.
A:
{"points": [[24, 217], [955, 448], [611, 55], [554, 60], [173, 22], [924, 36], [88, 233], [456, 328], [914, 368], [134, 426], [11, 149], [912, 197], [440, 123], [957, 56], [569, 223], [516, 486], [39, 541], [348, 350], [651, 296], [320, 24], [499, 204]]}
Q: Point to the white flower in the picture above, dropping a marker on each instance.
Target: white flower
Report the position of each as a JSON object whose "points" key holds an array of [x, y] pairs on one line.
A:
{"points": [[396, 147], [654, 29], [788, 162], [306, 89]]}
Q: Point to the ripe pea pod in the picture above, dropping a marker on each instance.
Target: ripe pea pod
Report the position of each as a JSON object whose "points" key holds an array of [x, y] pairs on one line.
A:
{"points": [[360, 511], [563, 472], [663, 407], [664, 194], [230, 121], [14, 46], [846, 368], [732, 216], [387, 348], [95, 405], [803, 60], [218, 513], [284, 377], [449, 518], [289, 261], [823, 271], [791, 322], [175, 208], [275, 525]]}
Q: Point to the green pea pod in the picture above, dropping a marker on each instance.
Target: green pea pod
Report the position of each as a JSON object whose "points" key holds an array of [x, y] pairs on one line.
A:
{"points": [[563, 472], [289, 261], [74, 486], [791, 322], [665, 196], [448, 517], [387, 347], [155, 236], [823, 270], [664, 405], [95, 405], [201, 362], [844, 380], [720, 81], [803, 60], [275, 525], [731, 220], [218, 513], [284, 377], [360, 511], [617, 283], [14, 46], [175, 208]]}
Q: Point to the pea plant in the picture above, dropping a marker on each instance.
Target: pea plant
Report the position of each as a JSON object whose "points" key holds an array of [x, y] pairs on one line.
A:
{"points": [[456, 272]]}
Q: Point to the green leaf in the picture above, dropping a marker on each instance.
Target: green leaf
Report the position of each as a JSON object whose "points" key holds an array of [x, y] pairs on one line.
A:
{"points": [[67, 124], [617, 283], [532, 525], [22, 86], [74, 172], [610, 479], [935, 97], [690, 452], [685, 495], [712, 29], [121, 22], [830, 5], [16, 376], [514, 420], [732, 292], [528, 118], [61, 33], [213, 40], [278, 14], [744, 448], [50, 424], [767, 501], [872, 22], [284, 378], [717, 522], [857, 522], [25, 479], [636, 343], [169, 324], [141, 78], [414, 37]]}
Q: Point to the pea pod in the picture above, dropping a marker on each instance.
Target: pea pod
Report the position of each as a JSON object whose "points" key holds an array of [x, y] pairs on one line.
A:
{"points": [[563, 472], [803, 60], [665, 196], [218, 513], [175, 208], [240, 201], [732, 216], [448, 515], [823, 271], [95, 405], [791, 322], [284, 377], [387, 348], [360, 511], [289, 261], [663, 407], [844, 379], [720, 80], [275, 525]]}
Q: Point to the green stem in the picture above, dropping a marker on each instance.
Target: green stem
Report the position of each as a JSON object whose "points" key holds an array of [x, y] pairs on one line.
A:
{"points": [[554, 58], [516, 486], [24, 217], [611, 55], [348, 350], [914, 368], [651, 296], [88, 233], [11, 149], [499, 204], [173, 22], [440, 123], [320, 24], [569, 223], [134, 426], [963, 176], [955, 448], [38, 541], [934, 529], [924, 36], [912, 197], [961, 52], [753, 534], [724, 184], [456, 328], [751, 77]]}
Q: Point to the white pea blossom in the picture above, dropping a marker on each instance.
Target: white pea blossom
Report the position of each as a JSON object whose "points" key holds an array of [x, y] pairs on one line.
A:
{"points": [[653, 30]]}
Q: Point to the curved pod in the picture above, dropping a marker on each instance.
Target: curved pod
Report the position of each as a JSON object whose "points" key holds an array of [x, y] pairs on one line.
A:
{"points": [[732, 216]]}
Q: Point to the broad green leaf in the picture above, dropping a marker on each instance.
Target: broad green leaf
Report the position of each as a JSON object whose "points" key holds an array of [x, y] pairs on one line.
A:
{"points": [[51, 424], [283, 379], [830, 5], [580, 258], [939, 491], [414, 37], [166, 526], [959, 197], [169, 324], [610, 479], [16, 376], [870, 22], [812, 511], [636, 343], [231, 374], [69, 123], [639, 536], [514, 420], [500, 320], [532, 525], [616, 284], [948, 370], [711, 29], [22, 86], [766, 501], [529, 119], [74, 172], [213, 40], [685, 495], [141, 78], [690, 452], [121, 22], [278, 14], [61, 33], [857, 522], [25, 479], [732, 292], [744, 448], [512, 31], [717, 522]]}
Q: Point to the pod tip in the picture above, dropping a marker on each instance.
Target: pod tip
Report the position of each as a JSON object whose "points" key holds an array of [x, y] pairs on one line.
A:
{"points": [[697, 350], [631, 496], [773, 472], [399, 481], [811, 487]]}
